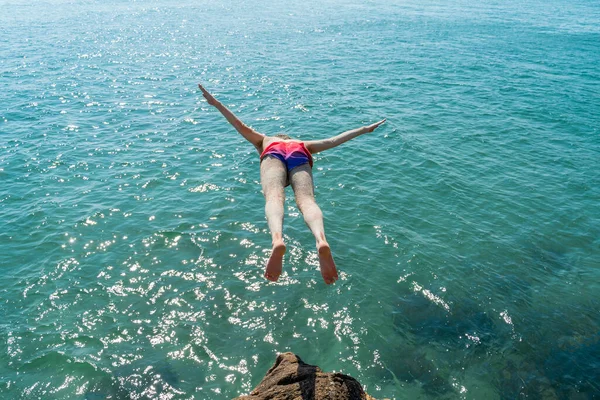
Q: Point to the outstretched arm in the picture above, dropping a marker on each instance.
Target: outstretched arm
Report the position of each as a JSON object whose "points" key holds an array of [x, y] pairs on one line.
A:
{"points": [[315, 146], [248, 133]]}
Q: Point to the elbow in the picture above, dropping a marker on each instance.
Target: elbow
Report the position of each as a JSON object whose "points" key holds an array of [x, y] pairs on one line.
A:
{"points": [[242, 128]]}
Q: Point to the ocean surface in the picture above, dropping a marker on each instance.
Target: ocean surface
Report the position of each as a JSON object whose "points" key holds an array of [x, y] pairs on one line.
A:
{"points": [[466, 229]]}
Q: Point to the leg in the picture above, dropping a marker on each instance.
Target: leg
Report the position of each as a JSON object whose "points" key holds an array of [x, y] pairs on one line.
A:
{"points": [[302, 183], [273, 177]]}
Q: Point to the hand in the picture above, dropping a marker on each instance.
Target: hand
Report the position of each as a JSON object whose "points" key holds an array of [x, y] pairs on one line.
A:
{"points": [[371, 128], [209, 97]]}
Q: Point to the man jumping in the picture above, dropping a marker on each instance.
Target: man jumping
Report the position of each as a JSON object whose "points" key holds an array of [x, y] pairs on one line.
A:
{"points": [[285, 161]]}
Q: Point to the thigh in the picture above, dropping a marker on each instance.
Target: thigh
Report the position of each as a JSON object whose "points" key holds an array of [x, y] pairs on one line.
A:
{"points": [[302, 182], [273, 176]]}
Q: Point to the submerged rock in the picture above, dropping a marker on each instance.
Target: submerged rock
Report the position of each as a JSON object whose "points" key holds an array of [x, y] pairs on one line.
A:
{"points": [[290, 378]]}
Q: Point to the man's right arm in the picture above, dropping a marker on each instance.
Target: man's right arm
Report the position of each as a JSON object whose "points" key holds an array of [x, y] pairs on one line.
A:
{"points": [[315, 146]]}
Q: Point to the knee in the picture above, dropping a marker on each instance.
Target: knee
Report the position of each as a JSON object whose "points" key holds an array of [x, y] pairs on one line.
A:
{"points": [[274, 197], [308, 205]]}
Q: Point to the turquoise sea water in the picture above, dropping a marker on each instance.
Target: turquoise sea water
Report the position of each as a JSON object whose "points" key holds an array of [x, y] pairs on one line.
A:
{"points": [[466, 230]]}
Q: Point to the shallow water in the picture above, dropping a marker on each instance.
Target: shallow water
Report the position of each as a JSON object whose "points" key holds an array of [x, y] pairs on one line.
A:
{"points": [[466, 229]]}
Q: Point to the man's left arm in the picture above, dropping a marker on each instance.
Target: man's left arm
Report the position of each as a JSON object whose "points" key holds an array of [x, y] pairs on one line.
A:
{"points": [[248, 133]]}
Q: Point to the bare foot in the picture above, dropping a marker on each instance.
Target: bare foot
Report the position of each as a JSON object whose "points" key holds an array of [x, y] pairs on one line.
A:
{"points": [[328, 270], [275, 263]]}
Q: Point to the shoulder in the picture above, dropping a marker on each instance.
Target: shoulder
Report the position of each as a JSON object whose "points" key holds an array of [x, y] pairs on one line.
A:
{"points": [[312, 145], [266, 141]]}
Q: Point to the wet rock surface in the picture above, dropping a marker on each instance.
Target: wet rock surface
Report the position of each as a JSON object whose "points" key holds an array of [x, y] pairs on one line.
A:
{"points": [[290, 378]]}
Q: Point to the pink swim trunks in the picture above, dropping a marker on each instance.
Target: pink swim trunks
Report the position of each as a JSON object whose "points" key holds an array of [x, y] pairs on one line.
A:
{"points": [[292, 154]]}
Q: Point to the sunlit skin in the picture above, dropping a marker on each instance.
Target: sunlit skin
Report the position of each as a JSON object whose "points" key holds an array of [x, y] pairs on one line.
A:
{"points": [[274, 176]]}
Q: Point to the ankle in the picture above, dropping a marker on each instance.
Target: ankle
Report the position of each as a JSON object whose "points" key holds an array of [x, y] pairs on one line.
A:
{"points": [[322, 243], [276, 237]]}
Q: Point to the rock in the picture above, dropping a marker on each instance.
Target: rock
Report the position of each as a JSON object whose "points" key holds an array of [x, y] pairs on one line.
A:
{"points": [[290, 378]]}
